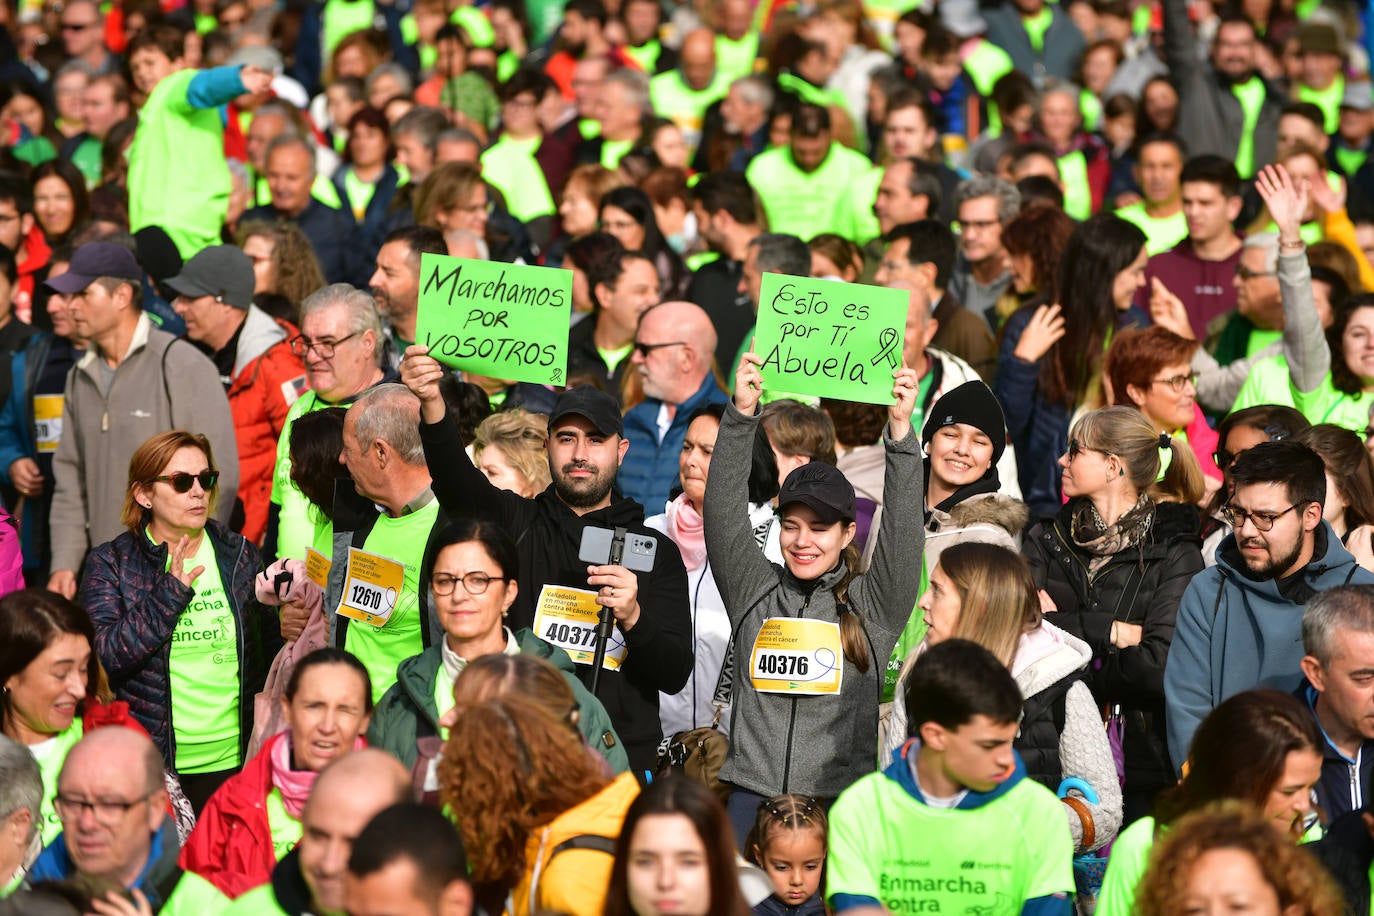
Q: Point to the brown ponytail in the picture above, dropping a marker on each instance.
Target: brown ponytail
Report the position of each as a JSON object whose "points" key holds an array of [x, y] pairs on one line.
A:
{"points": [[852, 637]]}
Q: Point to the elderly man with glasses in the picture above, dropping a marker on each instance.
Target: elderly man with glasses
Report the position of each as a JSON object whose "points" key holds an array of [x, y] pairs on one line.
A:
{"points": [[341, 345]]}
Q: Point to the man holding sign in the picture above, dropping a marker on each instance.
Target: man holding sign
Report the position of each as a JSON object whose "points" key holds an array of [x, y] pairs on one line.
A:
{"points": [[561, 594]]}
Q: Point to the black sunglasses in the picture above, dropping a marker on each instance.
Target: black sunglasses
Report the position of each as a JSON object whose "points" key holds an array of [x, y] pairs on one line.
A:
{"points": [[181, 481]]}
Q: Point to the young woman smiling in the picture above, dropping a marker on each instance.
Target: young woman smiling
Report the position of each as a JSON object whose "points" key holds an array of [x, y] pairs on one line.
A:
{"points": [[812, 635]]}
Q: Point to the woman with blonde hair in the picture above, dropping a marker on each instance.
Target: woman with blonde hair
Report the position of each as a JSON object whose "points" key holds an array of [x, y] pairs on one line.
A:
{"points": [[985, 593], [1113, 564], [453, 196], [178, 626], [521, 786], [1223, 858], [509, 448]]}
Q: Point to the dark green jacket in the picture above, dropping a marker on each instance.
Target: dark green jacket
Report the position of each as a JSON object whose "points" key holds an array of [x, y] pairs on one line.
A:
{"points": [[407, 711]]}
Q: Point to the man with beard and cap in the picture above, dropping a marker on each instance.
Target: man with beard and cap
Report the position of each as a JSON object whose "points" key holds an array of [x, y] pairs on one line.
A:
{"points": [[1240, 622], [395, 284], [651, 648], [213, 294]]}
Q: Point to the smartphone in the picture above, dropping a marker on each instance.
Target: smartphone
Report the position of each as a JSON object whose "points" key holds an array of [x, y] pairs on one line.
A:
{"points": [[638, 555]]}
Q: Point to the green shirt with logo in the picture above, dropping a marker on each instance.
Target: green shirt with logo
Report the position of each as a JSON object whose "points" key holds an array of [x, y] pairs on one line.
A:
{"points": [[51, 754], [203, 673], [509, 164], [381, 649], [286, 830], [1161, 232]]}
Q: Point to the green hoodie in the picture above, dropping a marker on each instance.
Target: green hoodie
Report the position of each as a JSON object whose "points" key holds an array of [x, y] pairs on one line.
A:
{"points": [[407, 711]]}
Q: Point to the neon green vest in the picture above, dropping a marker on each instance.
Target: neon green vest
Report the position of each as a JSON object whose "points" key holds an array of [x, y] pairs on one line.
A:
{"points": [[344, 17], [1328, 100], [1078, 195]]}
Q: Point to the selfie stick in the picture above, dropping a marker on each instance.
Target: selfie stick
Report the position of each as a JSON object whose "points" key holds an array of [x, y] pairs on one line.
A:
{"points": [[605, 621]]}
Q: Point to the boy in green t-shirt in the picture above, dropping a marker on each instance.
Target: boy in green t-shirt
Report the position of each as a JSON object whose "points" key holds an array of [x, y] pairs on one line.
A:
{"points": [[953, 825]]}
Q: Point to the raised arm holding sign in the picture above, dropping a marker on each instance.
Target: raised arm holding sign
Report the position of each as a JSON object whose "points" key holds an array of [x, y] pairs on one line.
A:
{"points": [[835, 340], [505, 321]]}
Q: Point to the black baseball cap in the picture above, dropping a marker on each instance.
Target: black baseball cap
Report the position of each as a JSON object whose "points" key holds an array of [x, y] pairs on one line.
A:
{"points": [[222, 271], [592, 403], [92, 261], [823, 488]]}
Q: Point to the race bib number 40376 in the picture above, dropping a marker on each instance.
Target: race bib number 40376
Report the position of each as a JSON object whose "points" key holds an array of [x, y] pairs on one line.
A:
{"points": [[797, 656]]}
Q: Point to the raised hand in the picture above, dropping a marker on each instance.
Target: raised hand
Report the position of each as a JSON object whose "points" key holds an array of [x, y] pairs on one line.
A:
{"points": [[255, 79], [905, 386], [421, 373], [180, 553], [1326, 198], [748, 382], [1168, 311], [1285, 200], [1042, 331]]}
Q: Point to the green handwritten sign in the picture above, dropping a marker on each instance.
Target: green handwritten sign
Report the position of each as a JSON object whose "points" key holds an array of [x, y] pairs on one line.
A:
{"points": [[501, 320], [830, 339]]}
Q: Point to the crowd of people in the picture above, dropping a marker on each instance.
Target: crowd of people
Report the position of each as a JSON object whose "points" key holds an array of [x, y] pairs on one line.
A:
{"points": [[1078, 617]]}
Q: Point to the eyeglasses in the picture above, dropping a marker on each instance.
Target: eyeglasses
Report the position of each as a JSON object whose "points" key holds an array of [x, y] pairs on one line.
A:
{"points": [[181, 481], [108, 813], [1274, 431], [77, 26], [1177, 382], [474, 583], [1246, 273], [301, 345], [1077, 448], [1263, 521], [644, 349]]}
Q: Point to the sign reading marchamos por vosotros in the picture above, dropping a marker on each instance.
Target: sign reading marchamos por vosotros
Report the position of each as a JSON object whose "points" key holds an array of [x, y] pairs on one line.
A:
{"points": [[505, 321], [830, 339]]}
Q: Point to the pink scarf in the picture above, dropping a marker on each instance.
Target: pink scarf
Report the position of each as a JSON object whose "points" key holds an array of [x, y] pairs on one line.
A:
{"points": [[294, 784], [685, 527]]}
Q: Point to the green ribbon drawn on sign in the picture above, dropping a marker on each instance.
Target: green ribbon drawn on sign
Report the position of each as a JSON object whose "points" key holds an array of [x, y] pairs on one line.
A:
{"points": [[887, 342], [504, 321]]}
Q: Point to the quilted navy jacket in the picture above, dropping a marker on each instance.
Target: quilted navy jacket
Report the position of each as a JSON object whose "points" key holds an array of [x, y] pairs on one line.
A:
{"points": [[135, 604]]}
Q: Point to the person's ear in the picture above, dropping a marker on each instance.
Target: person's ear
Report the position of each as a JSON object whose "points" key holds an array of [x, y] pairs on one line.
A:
{"points": [[19, 825], [456, 899], [621, 450], [932, 328], [157, 808], [849, 531], [1311, 516], [933, 736], [1314, 672], [1233, 205], [1136, 395], [512, 589]]}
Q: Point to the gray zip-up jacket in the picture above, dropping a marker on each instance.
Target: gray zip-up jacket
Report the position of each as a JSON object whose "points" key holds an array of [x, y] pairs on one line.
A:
{"points": [[816, 745], [162, 383]]}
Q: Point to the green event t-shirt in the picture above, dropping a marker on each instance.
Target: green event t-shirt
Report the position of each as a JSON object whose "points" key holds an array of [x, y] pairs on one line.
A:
{"points": [[1161, 233], [510, 165], [913, 858], [86, 158], [736, 58], [613, 358], [297, 518], [1130, 855], [381, 649], [1078, 193], [359, 193], [286, 830], [806, 204], [1250, 94], [1328, 100], [1270, 382], [195, 896], [612, 151], [1037, 26], [260, 901], [203, 673], [51, 754]]}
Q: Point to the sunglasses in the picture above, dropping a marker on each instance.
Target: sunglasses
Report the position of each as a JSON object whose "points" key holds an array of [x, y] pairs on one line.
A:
{"points": [[1077, 448], [182, 481]]}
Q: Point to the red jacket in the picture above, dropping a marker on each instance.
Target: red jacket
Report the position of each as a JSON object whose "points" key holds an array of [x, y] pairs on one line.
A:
{"points": [[268, 378], [231, 846]]}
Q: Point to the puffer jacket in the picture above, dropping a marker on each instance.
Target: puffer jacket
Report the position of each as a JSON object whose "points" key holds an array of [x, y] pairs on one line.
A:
{"points": [[1141, 585], [231, 846], [407, 712], [574, 879], [134, 604], [816, 745], [987, 518], [267, 379]]}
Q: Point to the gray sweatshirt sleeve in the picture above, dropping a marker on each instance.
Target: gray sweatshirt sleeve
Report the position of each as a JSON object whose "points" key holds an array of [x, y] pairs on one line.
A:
{"points": [[887, 592], [741, 571], [1218, 385], [1304, 342], [67, 519]]}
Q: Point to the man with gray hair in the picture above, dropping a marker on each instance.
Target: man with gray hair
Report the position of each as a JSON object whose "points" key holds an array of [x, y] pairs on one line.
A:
{"points": [[21, 798], [376, 606], [743, 123], [624, 102], [290, 163], [984, 205], [1338, 639], [341, 345]]}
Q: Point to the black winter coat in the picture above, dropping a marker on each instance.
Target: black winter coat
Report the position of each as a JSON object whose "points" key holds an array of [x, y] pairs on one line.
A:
{"points": [[1141, 585], [547, 535], [135, 603]]}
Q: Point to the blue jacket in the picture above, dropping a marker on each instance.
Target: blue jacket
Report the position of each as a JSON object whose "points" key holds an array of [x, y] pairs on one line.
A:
{"points": [[374, 226], [649, 470], [134, 604], [1344, 781], [1234, 633], [159, 876]]}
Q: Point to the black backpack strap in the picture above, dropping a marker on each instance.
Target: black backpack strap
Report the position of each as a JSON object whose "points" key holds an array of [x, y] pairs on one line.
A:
{"points": [[590, 841]]}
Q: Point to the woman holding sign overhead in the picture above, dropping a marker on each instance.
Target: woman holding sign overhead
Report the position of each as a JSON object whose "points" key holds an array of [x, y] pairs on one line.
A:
{"points": [[178, 625], [812, 636]]}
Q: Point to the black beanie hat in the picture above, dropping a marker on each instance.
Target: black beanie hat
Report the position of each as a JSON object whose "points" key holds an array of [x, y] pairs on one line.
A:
{"points": [[972, 403]]}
